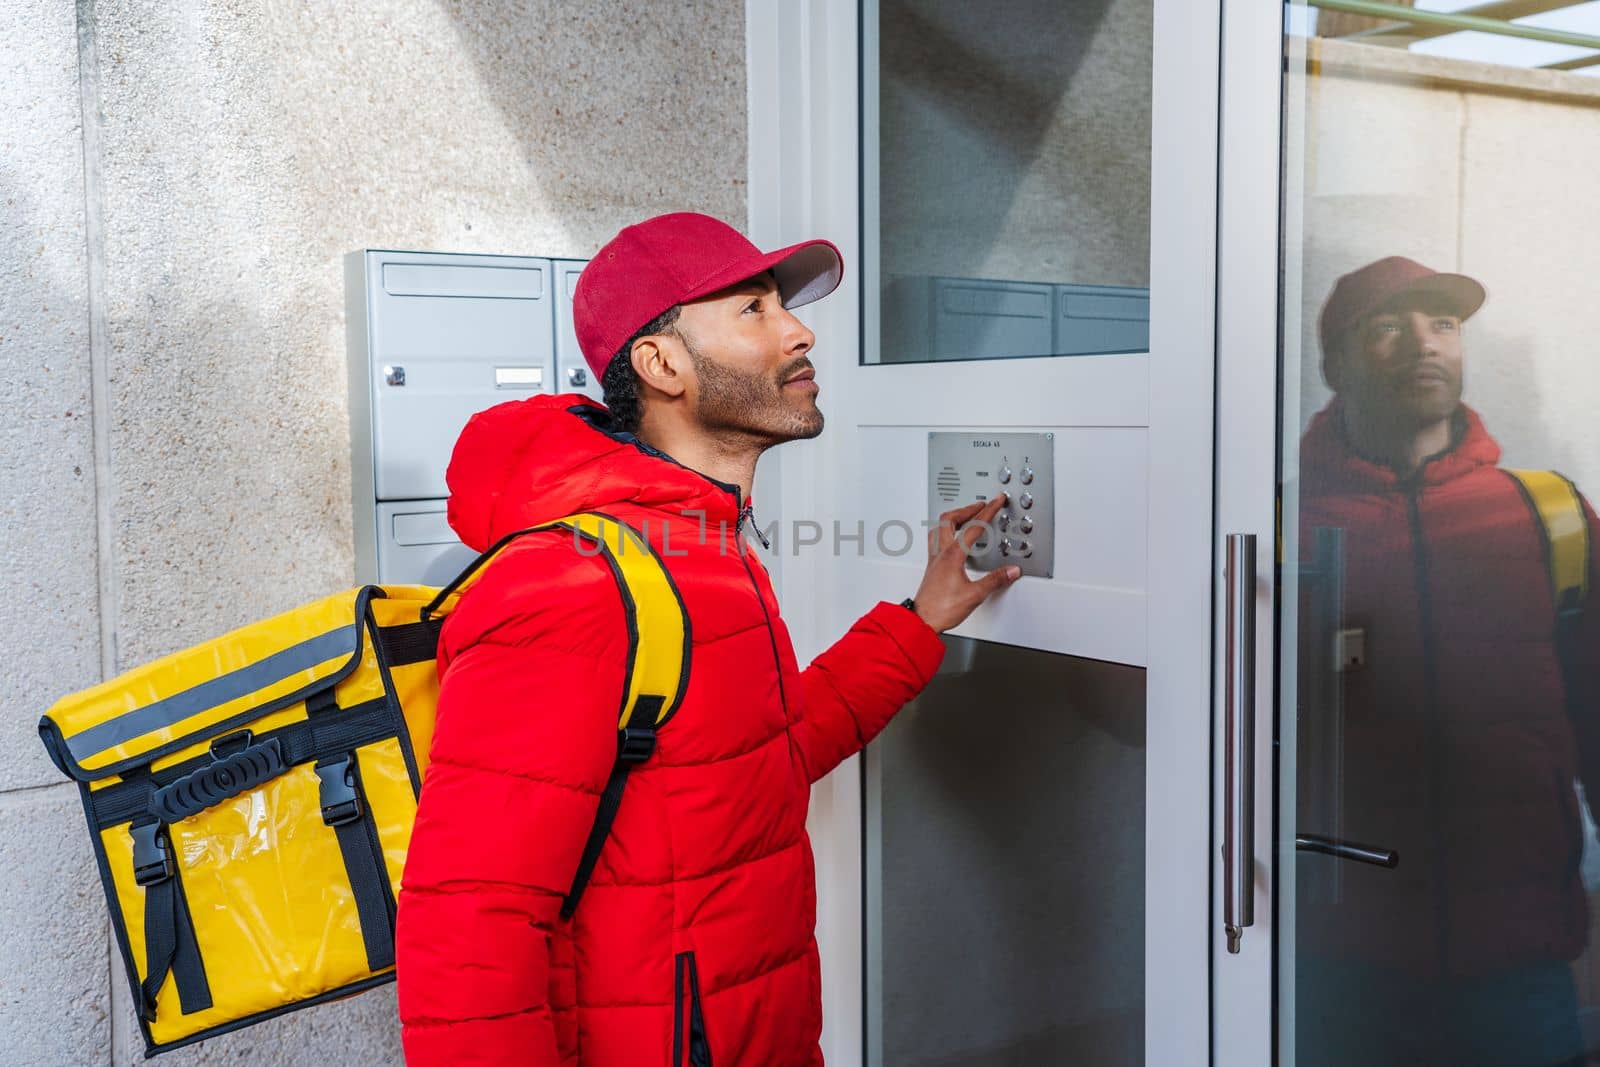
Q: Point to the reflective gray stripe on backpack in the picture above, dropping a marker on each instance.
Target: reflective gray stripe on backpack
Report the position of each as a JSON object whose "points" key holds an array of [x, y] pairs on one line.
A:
{"points": [[230, 686]]}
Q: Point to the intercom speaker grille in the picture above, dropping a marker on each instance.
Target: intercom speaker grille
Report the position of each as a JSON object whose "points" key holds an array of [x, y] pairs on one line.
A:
{"points": [[949, 483]]}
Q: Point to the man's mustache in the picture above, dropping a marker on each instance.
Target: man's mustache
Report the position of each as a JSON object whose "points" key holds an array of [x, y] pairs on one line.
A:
{"points": [[1424, 369], [803, 363]]}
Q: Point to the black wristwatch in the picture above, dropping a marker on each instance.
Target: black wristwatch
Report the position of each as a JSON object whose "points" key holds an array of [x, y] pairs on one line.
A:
{"points": [[909, 604]]}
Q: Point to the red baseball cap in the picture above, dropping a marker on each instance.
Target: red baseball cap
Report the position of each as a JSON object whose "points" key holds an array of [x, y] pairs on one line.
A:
{"points": [[1361, 292], [670, 259]]}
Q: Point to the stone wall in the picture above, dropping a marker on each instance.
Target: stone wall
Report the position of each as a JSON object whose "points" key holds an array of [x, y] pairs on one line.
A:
{"points": [[181, 180]]}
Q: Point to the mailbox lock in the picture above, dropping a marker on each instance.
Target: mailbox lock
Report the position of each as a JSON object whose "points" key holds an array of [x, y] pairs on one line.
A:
{"points": [[394, 375]]}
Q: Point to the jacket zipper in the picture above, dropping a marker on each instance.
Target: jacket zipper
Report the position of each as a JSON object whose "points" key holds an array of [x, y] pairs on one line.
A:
{"points": [[688, 1021], [749, 512], [746, 512], [772, 637], [1436, 724]]}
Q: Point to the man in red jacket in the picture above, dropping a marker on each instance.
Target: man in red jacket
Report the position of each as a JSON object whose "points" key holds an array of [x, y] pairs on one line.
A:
{"points": [[1456, 743], [693, 941]]}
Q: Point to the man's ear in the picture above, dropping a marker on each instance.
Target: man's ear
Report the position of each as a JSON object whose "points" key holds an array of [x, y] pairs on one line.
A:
{"points": [[660, 364]]}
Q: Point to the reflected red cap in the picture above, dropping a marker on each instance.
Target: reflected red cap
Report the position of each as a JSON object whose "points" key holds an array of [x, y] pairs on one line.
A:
{"points": [[670, 259], [1361, 292]]}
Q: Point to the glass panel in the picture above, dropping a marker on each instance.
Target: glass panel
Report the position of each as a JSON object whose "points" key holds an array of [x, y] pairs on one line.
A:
{"points": [[1441, 681], [1005, 865], [1007, 178]]}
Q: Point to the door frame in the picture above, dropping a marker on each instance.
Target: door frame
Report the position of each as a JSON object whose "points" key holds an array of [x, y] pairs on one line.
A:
{"points": [[802, 98], [804, 83], [1179, 852], [1244, 1021]]}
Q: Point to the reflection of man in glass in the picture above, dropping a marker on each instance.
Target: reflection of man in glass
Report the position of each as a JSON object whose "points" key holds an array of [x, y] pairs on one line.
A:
{"points": [[1458, 732]]}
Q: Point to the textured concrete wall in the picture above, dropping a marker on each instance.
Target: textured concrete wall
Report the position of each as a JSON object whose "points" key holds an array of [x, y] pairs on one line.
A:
{"points": [[55, 1002], [1016, 147], [1473, 168], [235, 150]]}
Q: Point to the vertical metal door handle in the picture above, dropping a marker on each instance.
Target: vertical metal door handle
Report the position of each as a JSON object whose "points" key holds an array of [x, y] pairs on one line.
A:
{"points": [[1238, 831]]}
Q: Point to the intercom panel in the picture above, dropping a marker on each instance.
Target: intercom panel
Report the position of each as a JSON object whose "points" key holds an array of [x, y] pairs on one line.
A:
{"points": [[967, 467]]}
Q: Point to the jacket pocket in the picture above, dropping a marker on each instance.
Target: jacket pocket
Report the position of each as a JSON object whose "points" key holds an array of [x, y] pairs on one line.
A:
{"points": [[689, 1045]]}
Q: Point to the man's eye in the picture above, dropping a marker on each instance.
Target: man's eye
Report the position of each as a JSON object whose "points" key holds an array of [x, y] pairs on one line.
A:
{"points": [[754, 305], [1444, 325]]}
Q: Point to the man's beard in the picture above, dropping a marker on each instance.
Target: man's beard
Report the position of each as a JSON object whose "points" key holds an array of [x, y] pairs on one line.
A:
{"points": [[1399, 413], [750, 403]]}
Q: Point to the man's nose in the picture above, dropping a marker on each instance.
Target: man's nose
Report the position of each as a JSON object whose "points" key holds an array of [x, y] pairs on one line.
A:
{"points": [[1419, 333], [797, 338]]}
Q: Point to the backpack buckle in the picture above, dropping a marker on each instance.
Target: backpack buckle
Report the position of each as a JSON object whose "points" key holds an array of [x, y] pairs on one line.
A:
{"points": [[341, 803], [635, 744], [152, 854]]}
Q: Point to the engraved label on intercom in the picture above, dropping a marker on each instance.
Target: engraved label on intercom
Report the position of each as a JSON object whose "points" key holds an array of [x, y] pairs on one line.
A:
{"points": [[967, 467]]}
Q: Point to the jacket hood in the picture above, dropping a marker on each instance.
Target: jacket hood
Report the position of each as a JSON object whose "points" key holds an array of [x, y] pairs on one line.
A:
{"points": [[1329, 464], [531, 461]]}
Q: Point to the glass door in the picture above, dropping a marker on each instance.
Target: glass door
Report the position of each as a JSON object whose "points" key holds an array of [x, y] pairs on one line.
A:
{"points": [[1006, 164], [1016, 870], [1434, 720]]}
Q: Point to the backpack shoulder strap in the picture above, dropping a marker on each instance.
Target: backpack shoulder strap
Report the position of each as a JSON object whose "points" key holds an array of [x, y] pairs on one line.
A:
{"points": [[1559, 508], [658, 666], [658, 622], [445, 599], [657, 673]]}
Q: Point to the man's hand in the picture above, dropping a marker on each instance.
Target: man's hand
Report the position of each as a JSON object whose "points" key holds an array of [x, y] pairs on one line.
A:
{"points": [[946, 595]]}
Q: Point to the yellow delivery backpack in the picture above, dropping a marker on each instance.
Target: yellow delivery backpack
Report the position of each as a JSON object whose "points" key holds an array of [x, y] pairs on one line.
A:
{"points": [[1558, 509], [250, 799]]}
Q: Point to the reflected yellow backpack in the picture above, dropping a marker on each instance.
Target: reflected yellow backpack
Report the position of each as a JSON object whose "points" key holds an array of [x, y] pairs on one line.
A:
{"points": [[1558, 508], [250, 799]]}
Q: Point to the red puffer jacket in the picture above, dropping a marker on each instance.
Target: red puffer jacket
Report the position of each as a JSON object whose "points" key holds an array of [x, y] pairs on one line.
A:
{"points": [[693, 943], [1453, 745]]}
